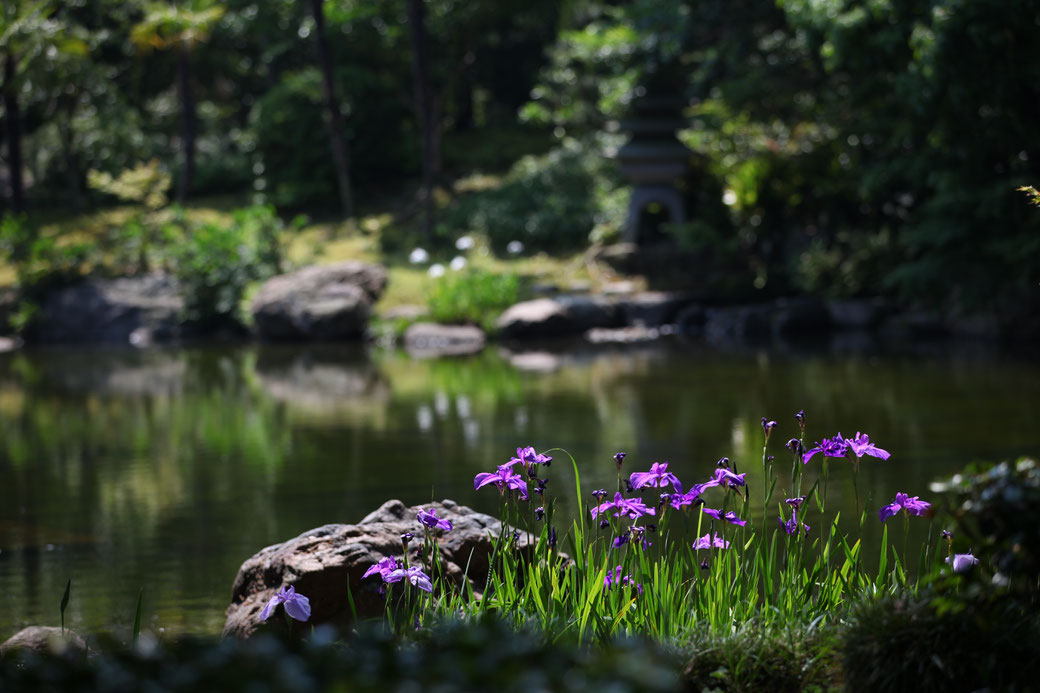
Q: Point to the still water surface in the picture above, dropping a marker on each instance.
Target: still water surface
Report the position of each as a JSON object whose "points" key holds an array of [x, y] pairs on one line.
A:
{"points": [[163, 470]]}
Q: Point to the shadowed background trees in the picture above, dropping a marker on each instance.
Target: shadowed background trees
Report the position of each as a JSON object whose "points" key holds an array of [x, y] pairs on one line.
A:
{"points": [[840, 147]]}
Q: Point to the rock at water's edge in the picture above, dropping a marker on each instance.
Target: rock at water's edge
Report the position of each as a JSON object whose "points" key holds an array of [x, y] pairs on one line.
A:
{"points": [[43, 639], [320, 302], [323, 563]]}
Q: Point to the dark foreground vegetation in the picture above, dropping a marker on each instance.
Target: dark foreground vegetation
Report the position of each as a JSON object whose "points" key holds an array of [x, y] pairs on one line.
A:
{"points": [[891, 645]]}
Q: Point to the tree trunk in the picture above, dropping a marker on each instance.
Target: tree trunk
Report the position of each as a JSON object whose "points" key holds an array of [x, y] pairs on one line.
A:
{"points": [[426, 107], [188, 126], [333, 115], [67, 135], [13, 120]]}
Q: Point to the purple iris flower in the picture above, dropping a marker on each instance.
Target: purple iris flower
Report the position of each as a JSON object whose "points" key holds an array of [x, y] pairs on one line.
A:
{"points": [[962, 562], [831, 447], [793, 526], [861, 445], [679, 499], [657, 476], [614, 577], [767, 427], [503, 479], [414, 575], [912, 506], [730, 516], [707, 541], [528, 458], [724, 477], [384, 567], [632, 507], [621, 540], [795, 503], [429, 519], [619, 457], [296, 605]]}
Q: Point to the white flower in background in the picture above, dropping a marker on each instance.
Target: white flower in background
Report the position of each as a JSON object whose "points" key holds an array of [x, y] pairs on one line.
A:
{"points": [[418, 256], [457, 263], [514, 247], [436, 270], [464, 243], [729, 198]]}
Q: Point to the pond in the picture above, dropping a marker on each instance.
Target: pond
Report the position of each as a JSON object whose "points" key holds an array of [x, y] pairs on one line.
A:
{"points": [[162, 470]]}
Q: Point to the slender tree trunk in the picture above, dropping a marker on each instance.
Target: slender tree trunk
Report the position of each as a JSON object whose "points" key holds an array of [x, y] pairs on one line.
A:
{"points": [[465, 118], [13, 120], [67, 135], [188, 124], [426, 107], [333, 115]]}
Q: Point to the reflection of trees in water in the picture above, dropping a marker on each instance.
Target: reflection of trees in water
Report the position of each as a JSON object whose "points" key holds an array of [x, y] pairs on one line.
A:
{"points": [[137, 450]]}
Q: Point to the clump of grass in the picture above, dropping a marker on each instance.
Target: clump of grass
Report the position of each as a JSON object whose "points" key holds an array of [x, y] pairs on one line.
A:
{"points": [[477, 297], [751, 658]]}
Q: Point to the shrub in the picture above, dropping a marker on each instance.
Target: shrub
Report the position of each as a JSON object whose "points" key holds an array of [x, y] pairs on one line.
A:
{"points": [[909, 644], [476, 297], [550, 202], [216, 264], [996, 509]]}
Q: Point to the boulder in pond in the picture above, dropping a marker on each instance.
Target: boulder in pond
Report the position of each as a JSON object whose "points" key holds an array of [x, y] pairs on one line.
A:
{"points": [[323, 563], [111, 310], [557, 316], [319, 302]]}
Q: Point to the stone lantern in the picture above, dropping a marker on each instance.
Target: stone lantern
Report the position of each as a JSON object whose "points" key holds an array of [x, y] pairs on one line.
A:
{"points": [[653, 160]]}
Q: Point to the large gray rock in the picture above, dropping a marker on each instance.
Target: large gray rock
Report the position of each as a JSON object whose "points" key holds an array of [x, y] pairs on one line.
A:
{"points": [[427, 339], [320, 302], [652, 308], [738, 323], [43, 639], [858, 313], [560, 315], [324, 563], [111, 310]]}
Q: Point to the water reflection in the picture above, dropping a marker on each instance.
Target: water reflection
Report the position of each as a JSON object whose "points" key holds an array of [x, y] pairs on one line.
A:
{"points": [[164, 469]]}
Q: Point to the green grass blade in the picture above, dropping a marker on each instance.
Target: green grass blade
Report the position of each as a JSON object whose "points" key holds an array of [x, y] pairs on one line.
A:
{"points": [[65, 603], [137, 618]]}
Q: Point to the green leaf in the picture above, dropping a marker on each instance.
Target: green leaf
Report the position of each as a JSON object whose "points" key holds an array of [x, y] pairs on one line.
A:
{"points": [[137, 618], [65, 603]]}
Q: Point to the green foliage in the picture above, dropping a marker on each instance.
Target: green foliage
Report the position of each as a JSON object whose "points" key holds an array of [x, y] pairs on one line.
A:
{"points": [[755, 659], [996, 509], [550, 202], [146, 184], [904, 643], [475, 296], [216, 264], [40, 262]]}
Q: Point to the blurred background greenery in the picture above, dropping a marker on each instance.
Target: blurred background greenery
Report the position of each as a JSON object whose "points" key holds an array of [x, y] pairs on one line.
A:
{"points": [[839, 147]]}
